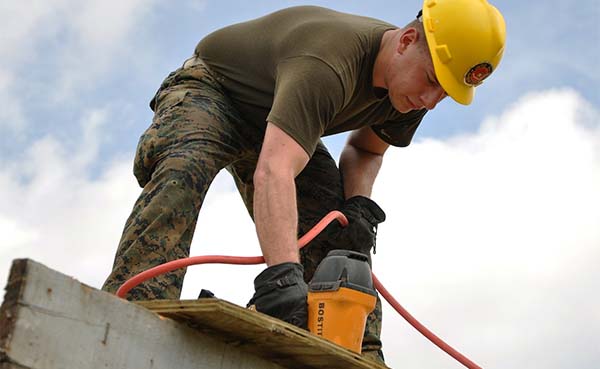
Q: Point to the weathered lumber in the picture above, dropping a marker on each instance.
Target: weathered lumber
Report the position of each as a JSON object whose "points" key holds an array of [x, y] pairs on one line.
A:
{"points": [[51, 321]]}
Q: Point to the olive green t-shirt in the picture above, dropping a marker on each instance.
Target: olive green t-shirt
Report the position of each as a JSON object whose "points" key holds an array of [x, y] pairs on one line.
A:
{"points": [[309, 71]]}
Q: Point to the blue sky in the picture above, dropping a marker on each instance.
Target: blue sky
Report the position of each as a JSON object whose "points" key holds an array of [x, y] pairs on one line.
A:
{"points": [[69, 60], [493, 221]]}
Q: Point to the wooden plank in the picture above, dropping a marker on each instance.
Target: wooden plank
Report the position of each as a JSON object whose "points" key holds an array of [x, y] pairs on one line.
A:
{"points": [[49, 320], [267, 337], [11, 366], [9, 312]]}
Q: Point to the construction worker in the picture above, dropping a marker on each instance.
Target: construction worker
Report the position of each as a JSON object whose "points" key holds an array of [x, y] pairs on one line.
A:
{"points": [[256, 98]]}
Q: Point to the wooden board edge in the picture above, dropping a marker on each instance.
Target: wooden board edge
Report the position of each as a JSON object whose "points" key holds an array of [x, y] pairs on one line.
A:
{"points": [[9, 310], [214, 304], [7, 365]]}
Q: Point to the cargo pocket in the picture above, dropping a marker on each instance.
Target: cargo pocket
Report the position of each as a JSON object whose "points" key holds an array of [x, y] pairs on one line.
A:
{"points": [[155, 141], [167, 99]]}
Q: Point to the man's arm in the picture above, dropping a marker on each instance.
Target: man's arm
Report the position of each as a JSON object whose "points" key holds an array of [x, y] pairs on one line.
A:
{"points": [[275, 213], [360, 161]]}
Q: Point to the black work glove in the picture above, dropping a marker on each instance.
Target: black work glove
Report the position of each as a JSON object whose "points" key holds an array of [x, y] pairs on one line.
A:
{"points": [[363, 217], [281, 293]]}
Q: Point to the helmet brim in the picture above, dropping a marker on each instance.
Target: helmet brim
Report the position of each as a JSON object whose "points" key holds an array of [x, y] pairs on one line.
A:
{"points": [[457, 90]]}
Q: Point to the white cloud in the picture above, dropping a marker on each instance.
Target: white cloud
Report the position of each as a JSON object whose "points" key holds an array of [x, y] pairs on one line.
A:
{"points": [[53, 212], [491, 239], [197, 5], [19, 235], [19, 23], [101, 35], [12, 120], [73, 43]]}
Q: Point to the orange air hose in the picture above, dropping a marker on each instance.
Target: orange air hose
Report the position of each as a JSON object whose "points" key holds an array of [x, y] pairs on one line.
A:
{"points": [[252, 260]]}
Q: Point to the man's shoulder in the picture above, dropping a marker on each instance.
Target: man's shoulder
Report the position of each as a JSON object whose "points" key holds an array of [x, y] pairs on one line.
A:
{"points": [[332, 18], [342, 40]]}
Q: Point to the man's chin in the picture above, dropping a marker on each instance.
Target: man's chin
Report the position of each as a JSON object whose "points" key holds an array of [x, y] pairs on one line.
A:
{"points": [[401, 108]]}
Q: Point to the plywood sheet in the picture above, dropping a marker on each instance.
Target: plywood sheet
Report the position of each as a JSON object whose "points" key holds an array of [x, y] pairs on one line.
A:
{"points": [[265, 336]]}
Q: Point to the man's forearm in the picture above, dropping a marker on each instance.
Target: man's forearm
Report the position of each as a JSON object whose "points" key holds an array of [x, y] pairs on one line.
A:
{"points": [[275, 215], [276, 218], [359, 169]]}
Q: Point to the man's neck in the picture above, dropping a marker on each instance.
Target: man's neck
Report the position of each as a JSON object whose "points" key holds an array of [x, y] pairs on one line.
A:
{"points": [[383, 56]]}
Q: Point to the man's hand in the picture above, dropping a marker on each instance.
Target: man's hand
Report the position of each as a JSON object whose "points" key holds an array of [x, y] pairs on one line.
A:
{"points": [[363, 215], [281, 293]]}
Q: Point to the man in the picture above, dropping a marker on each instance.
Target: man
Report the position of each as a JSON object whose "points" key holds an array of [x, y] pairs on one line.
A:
{"points": [[255, 99]]}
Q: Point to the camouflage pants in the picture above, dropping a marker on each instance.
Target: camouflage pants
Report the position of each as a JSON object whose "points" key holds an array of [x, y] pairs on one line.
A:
{"points": [[195, 133]]}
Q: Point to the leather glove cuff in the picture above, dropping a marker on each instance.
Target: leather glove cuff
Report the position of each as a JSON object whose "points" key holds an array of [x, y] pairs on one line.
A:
{"points": [[363, 217], [366, 208], [278, 276]]}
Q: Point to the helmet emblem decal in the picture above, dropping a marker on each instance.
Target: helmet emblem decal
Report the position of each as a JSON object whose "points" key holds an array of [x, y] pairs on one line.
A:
{"points": [[478, 73]]}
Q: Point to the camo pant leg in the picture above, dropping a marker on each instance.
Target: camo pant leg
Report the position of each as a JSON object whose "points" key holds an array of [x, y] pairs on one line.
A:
{"points": [[195, 132], [319, 190]]}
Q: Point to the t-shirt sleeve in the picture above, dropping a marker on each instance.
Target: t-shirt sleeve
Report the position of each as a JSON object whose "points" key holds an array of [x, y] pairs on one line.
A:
{"points": [[400, 131], [308, 95]]}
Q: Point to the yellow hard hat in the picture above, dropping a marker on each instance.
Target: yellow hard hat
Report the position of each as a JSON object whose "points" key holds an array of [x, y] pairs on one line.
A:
{"points": [[466, 41]]}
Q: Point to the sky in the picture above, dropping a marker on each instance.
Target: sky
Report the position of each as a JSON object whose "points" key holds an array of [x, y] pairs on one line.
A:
{"points": [[492, 237]]}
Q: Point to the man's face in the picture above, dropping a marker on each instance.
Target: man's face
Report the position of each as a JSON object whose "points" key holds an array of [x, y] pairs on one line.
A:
{"points": [[410, 77]]}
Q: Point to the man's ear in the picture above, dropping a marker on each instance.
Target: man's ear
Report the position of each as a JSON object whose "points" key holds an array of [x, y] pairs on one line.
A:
{"points": [[408, 36]]}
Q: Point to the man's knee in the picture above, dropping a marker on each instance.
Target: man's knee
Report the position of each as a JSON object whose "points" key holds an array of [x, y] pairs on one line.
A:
{"points": [[184, 172]]}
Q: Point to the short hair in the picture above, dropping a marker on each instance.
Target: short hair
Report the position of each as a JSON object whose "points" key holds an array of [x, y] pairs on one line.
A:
{"points": [[418, 25]]}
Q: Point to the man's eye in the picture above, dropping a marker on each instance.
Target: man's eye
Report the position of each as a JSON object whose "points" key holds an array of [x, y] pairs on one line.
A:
{"points": [[430, 80]]}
